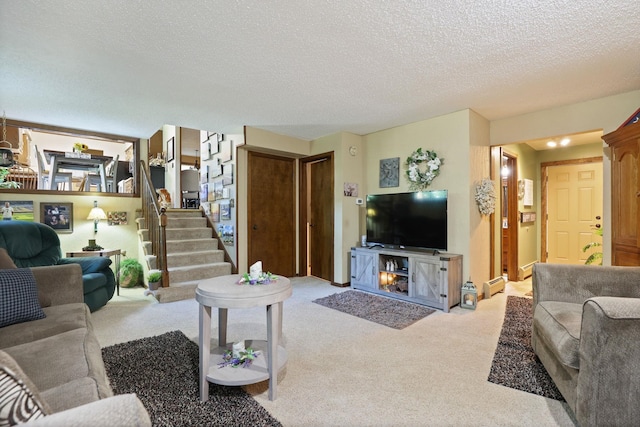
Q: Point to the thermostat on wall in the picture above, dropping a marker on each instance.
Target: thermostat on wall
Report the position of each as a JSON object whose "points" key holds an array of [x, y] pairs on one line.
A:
{"points": [[359, 202]]}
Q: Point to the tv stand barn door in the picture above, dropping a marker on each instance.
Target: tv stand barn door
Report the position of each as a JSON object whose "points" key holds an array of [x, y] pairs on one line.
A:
{"points": [[364, 270], [434, 280]]}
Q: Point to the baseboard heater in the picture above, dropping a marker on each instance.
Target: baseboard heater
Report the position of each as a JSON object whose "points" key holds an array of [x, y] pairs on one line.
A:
{"points": [[525, 271], [493, 286]]}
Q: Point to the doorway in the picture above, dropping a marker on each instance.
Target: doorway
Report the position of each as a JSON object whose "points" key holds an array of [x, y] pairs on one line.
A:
{"points": [[572, 200], [271, 212], [316, 216], [509, 215]]}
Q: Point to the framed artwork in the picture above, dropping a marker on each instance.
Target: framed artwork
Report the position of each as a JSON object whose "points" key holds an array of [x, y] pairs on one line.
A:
{"points": [[204, 136], [215, 169], [218, 188], [215, 212], [227, 174], [18, 210], [225, 232], [204, 191], [390, 172], [226, 151], [351, 189], [214, 147], [206, 151], [225, 211], [58, 216], [117, 218], [171, 149]]}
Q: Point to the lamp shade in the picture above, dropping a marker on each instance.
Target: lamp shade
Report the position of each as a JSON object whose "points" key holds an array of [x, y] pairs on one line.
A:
{"points": [[97, 214]]}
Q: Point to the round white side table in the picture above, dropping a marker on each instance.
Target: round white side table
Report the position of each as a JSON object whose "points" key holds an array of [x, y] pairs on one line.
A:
{"points": [[224, 292]]}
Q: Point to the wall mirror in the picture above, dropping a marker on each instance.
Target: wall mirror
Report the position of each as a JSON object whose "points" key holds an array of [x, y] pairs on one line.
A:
{"points": [[70, 161]]}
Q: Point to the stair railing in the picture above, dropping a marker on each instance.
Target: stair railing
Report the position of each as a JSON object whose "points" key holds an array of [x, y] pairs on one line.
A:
{"points": [[155, 218]]}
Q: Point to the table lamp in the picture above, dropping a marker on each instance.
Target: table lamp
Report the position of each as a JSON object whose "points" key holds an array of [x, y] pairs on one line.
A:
{"points": [[96, 215]]}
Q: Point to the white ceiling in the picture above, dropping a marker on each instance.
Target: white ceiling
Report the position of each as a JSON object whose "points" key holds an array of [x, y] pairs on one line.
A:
{"points": [[306, 68]]}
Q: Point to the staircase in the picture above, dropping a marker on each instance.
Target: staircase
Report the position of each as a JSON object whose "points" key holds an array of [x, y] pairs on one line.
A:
{"points": [[192, 254]]}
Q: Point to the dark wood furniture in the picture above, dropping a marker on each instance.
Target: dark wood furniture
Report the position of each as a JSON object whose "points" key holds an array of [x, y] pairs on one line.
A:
{"points": [[625, 194]]}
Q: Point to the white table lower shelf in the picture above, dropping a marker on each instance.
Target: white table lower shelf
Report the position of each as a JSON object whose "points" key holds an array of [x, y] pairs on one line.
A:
{"points": [[256, 372], [224, 292]]}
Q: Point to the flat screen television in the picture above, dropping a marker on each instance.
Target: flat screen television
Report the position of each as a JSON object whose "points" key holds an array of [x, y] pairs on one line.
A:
{"points": [[408, 220]]}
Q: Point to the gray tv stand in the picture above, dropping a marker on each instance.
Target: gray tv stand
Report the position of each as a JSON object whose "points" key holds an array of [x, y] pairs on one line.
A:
{"points": [[422, 277]]}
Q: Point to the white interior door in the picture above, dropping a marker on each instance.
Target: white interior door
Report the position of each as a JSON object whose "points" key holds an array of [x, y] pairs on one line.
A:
{"points": [[574, 209]]}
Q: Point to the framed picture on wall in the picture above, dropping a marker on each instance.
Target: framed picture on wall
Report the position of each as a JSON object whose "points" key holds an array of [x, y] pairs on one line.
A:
{"points": [[227, 174], [17, 209], [171, 149], [226, 151], [58, 216], [390, 172]]}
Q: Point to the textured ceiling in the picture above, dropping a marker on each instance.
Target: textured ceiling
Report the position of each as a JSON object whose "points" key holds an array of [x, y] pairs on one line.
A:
{"points": [[306, 68]]}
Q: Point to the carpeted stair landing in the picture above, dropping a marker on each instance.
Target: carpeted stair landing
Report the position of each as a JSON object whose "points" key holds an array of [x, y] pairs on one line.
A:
{"points": [[192, 254]]}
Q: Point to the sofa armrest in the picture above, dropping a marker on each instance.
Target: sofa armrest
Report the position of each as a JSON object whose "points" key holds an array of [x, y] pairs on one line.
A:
{"points": [[121, 410], [609, 379], [577, 283], [59, 284]]}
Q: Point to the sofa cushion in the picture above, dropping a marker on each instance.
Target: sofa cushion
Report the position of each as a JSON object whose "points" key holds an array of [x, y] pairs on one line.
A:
{"points": [[559, 325], [5, 260], [19, 398], [60, 318], [18, 297], [59, 361]]}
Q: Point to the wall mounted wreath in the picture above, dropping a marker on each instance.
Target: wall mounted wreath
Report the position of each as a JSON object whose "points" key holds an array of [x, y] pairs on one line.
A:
{"points": [[418, 179], [486, 196]]}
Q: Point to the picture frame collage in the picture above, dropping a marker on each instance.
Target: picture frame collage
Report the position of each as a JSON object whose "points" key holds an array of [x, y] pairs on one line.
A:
{"points": [[217, 176]]}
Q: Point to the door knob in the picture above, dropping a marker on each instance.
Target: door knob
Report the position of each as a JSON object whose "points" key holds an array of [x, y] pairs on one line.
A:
{"points": [[255, 227], [598, 225]]}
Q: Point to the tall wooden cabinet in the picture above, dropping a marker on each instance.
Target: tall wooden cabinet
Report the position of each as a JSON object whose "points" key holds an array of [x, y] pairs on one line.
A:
{"points": [[625, 194]]}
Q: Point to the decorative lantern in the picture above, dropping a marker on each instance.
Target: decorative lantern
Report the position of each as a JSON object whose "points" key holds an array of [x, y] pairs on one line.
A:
{"points": [[469, 296]]}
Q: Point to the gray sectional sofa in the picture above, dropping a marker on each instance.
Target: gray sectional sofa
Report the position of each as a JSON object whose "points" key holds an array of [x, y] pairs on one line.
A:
{"points": [[57, 359], [586, 332]]}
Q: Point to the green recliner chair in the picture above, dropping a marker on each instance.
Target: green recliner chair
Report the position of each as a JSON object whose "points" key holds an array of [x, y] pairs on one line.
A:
{"points": [[32, 244]]}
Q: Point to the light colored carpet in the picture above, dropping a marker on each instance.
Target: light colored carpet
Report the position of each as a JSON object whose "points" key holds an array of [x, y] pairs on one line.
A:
{"points": [[346, 371]]}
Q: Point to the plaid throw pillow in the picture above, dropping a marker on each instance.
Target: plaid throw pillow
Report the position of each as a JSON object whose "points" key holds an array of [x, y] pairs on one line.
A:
{"points": [[18, 297]]}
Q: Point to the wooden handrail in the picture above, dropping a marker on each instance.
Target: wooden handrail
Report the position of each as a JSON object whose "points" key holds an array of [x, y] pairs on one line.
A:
{"points": [[155, 218]]}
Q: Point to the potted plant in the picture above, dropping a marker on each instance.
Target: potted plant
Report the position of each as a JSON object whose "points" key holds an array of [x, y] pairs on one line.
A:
{"points": [[595, 257], [154, 278], [7, 184], [131, 274]]}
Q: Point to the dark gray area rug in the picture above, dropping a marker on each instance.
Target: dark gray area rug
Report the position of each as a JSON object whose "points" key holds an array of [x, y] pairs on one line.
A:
{"points": [[515, 365], [163, 372], [389, 312]]}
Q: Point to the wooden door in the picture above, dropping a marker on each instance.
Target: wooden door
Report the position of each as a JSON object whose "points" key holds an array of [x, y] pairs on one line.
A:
{"points": [[574, 210], [317, 214], [271, 213], [509, 208]]}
